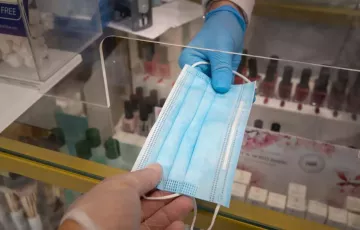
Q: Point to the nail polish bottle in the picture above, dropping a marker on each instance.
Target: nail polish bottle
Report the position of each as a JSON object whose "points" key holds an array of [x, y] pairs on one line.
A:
{"points": [[253, 72], [302, 89], [128, 123], [158, 108], [135, 106], [243, 64], [285, 85], [258, 124], [275, 127], [113, 155], [267, 86], [163, 64], [83, 149], [139, 92], [353, 99], [320, 89], [338, 90], [97, 150], [143, 125], [148, 51], [154, 96]]}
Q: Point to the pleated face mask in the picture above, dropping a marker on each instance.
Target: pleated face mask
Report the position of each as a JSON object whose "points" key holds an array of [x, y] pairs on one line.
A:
{"points": [[197, 138]]}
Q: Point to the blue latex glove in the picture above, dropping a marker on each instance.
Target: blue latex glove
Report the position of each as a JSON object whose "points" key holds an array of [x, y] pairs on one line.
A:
{"points": [[223, 30]]}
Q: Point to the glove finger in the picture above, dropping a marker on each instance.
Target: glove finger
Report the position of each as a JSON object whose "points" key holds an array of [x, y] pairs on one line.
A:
{"points": [[221, 72], [191, 56]]}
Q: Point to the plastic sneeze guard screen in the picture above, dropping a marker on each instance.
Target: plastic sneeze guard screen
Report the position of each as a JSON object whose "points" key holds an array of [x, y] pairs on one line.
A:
{"points": [[198, 136]]}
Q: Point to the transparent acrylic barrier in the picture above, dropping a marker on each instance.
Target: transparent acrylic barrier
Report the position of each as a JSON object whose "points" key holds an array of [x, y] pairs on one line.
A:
{"points": [[304, 123], [29, 204], [322, 32], [47, 36]]}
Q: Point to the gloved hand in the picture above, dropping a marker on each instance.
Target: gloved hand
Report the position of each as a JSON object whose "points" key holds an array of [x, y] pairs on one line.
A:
{"points": [[116, 203], [223, 30]]}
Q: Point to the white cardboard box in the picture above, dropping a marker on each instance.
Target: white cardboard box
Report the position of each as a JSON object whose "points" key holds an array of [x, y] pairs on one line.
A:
{"points": [[337, 218], [297, 190], [317, 211], [242, 177], [276, 202], [239, 191], [296, 206], [257, 196], [353, 221], [353, 204]]}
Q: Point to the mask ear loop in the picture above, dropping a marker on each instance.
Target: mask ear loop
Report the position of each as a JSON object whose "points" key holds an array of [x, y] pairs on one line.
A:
{"points": [[234, 72], [216, 211]]}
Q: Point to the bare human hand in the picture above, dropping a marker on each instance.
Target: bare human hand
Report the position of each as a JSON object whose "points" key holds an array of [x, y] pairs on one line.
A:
{"points": [[117, 203]]}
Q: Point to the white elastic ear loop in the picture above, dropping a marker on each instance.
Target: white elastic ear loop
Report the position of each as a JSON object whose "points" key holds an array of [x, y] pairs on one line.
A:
{"points": [[234, 72], [162, 197]]}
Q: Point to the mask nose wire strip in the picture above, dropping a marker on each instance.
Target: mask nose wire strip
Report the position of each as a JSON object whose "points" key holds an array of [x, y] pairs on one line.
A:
{"points": [[216, 211]]}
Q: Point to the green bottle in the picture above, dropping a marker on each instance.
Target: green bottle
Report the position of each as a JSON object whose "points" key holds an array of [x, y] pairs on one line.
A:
{"points": [[83, 149], [97, 150], [113, 155]]}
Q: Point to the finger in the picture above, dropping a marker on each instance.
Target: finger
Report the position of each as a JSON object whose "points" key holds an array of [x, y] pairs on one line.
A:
{"points": [[178, 209], [191, 56], [221, 72], [177, 225], [144, 180], [149, 207]]}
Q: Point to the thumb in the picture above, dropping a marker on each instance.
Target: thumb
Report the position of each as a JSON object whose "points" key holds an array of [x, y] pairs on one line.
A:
{"points": [[221, 72], [145, 179]]}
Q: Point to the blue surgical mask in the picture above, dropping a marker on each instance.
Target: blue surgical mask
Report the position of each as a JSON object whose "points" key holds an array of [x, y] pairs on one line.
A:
{"points": [[197, 138]]}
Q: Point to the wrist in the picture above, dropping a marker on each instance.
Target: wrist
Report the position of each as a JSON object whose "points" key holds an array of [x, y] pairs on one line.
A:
{"points": [[214, 4]]}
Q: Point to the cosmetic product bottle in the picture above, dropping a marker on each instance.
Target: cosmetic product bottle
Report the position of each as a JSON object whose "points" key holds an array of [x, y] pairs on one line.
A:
{"points": [[143, 125], [337, 93], [353, 98], [243, 68], [258, 124], [163, 62], [320, 89], [267, 86], [135, 105], [5, 221], [128, 122], [253, 71], [275, 127], [297, 190], [97, 150], [148, 50], [285, 86], [139, 92], [159, 107], [16, 212], [242, 177], [113, 155], [302, 89], [154, 96], [29, 203], [151, 104], [83, 149], [57, 136]]}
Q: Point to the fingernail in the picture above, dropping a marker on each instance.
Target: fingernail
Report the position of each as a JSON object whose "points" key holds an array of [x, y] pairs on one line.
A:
{"points": [[155, 166]]}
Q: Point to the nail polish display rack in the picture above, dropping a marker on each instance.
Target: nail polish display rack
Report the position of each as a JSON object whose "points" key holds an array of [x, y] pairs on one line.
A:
{"points": [[322, 126]]}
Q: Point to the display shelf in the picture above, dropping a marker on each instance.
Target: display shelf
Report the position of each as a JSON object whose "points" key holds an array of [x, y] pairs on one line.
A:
{"points": [[15, 99], [165, 17], [27, 77]]}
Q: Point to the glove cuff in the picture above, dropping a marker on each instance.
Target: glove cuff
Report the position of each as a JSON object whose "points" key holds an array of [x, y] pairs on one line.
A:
{"points": [[230, 9]]}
